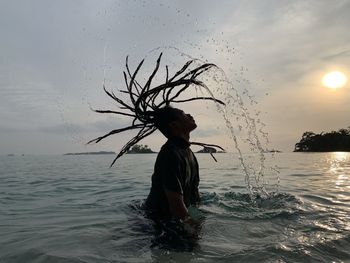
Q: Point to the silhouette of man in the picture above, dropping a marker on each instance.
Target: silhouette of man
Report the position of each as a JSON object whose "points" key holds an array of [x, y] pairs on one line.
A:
{"points": [[175, 179]]}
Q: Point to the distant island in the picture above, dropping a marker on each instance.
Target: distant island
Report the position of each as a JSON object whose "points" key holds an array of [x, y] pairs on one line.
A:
{"points": [[140, 149], [209, 150], [135, 149], [90, 153], [324, 142]]}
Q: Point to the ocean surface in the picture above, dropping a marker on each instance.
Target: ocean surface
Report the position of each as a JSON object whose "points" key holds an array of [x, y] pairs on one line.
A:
{"points": [[77, 209]]}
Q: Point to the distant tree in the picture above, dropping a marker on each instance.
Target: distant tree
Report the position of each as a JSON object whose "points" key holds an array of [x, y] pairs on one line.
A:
{"points": [[344, 132], [139, 148]]}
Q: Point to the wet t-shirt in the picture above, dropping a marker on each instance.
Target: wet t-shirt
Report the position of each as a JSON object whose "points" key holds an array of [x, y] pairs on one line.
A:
{"points": [[175, 170]]}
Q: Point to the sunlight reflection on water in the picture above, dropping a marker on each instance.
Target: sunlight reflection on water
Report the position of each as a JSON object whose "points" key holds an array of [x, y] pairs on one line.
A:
{"points": [[336, 159], [339, 167]]}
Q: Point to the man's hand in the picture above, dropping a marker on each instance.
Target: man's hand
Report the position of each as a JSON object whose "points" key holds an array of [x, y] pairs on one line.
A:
{"points": [[176, 205], [179, 211]]}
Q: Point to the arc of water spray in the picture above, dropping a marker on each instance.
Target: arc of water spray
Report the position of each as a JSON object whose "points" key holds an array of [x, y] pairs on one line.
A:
{"points": [[252, 132]]}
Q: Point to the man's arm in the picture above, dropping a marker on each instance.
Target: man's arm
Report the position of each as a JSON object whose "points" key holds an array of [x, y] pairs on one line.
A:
{"points": [[176, 205], [178, 210]]}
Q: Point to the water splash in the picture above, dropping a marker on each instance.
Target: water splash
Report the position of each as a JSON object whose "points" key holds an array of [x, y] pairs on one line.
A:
{"points": [[104, 64], [244, 206], [241, 112]]}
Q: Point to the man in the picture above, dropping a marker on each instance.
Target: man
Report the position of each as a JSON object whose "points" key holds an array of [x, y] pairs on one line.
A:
{"points": [[175, 179]]}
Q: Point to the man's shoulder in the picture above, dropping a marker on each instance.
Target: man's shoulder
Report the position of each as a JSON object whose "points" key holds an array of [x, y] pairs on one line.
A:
{"points": [[171, 153], [169, 149], [169, 146]]}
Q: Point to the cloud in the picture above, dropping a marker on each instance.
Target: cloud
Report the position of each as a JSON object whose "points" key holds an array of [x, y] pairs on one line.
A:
{"points": [[54, 57], [102, 126], [206, 132], [336, 55]]}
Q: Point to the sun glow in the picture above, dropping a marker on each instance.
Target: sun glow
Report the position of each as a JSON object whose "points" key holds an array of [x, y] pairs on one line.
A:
{"points": [[334, 80]]}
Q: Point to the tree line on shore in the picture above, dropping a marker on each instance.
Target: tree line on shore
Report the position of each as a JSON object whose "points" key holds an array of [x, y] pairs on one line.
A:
{"points": [[140, 148], [324, 142]]}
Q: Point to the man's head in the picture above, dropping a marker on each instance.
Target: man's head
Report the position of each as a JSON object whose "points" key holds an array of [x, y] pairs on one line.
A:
{"points": [[173, 122]]}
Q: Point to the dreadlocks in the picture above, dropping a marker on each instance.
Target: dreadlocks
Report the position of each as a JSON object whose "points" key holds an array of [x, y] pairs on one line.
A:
{"points": [[150, 106]]}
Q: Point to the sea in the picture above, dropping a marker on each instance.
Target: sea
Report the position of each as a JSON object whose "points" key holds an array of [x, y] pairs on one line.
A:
{"points": [[59, 208]]}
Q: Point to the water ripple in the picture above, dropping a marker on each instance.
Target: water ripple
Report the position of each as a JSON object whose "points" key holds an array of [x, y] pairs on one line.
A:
{"points": [[60, 209]]}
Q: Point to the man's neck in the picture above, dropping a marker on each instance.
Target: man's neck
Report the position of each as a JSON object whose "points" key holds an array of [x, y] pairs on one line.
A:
{"points": [[185, 136]]}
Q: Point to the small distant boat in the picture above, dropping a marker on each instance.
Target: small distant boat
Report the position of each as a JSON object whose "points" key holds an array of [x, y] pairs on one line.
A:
{"points": [[10, 154]]}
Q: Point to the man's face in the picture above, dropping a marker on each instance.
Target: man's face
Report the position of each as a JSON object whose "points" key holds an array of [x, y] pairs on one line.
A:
{"points": [[184, 122]]}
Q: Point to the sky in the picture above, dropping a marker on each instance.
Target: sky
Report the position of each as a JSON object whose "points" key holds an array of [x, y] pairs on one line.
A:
{"points": [[56, 55]]}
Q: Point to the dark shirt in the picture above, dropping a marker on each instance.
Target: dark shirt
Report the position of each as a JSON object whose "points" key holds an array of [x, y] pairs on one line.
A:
{"points": [[175, 170]]}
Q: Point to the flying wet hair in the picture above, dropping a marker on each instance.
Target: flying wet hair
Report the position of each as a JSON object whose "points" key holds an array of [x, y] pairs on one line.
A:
{"points": [[149, 107]]}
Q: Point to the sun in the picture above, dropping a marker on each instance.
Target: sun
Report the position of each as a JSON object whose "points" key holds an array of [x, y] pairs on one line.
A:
{"points": [[334, 80]]}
